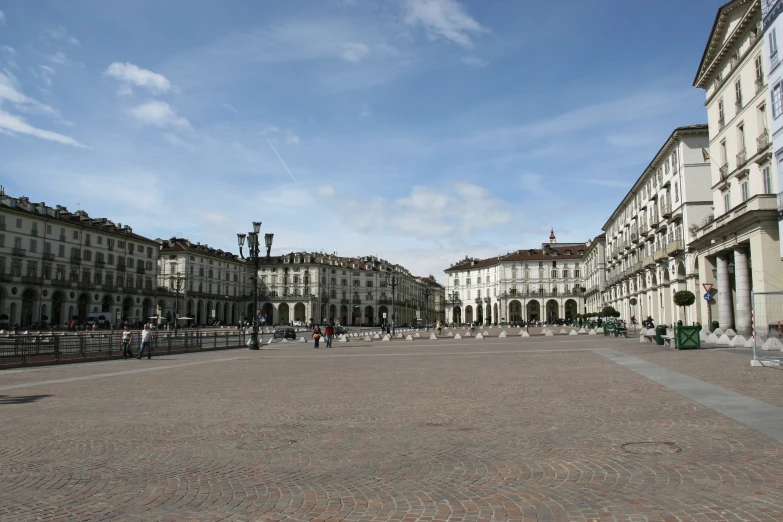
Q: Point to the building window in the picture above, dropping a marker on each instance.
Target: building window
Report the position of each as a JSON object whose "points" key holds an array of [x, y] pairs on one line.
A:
{"points": [[676, 191], [759, 72], [738, 94], [777, 100], [721, 118], [726, 201], [18, 222], [740, 138], [766, 178], [773, 43], [744, 189]]}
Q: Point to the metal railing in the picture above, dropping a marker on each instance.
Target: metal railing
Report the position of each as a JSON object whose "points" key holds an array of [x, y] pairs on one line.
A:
{"points": [[762, 142], [18, 252], [666, 209], [724, 171], [742, 157], [36, 349], [674, 247], [660, 254]]}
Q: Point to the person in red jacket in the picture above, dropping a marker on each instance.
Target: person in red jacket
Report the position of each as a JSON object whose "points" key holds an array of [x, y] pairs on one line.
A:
{"points": [[329, 335]]}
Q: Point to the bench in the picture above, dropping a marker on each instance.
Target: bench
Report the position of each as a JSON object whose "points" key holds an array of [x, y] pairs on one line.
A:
{"points": [[621, 331], [649, 337], [668, 340]]}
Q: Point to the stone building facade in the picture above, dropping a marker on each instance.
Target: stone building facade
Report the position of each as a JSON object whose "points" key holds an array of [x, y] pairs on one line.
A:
{"points": [[595, 273], [647, 254], [57, 266], [541, 284]]}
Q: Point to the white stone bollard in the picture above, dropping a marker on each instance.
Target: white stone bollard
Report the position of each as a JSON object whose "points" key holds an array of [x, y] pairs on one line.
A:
{"points": [[479, 336], [409, 338], [524, 334], [502, 334], [433, 337], [738, 340], [458, 336]]}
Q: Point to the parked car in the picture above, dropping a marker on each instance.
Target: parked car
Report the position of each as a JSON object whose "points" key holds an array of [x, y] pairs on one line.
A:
{"points": [[300, 324], [284, 333], [339, 330], [515, 324]]}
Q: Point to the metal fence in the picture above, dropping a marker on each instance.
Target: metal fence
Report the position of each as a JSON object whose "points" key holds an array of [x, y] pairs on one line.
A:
{"points": [[767, 319], [24, 350]]}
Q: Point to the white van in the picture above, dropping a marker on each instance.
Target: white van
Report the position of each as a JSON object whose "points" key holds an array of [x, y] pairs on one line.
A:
{"points": [[102, 318]]}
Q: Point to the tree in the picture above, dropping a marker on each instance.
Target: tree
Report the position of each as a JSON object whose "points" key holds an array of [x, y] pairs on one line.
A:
{"points": [[684, 298], [609, 311]]}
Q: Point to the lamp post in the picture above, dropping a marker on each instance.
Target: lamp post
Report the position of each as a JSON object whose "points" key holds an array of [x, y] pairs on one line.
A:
{"points": [[453, 296], [427, 306], [177, 279], [253, 253], [392, 281]]}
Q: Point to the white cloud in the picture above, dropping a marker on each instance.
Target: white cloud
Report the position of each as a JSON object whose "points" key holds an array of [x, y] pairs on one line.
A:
{"points": [[270, 129], [230, 108], [16, 125], [365, 112], [9, 92], [130, 74], [58, 32], [474, 61], [47, 73], [59, 58], [291, 138], [354, 52], [443, 19], [2, 18], [158, 114], [326, 191]]}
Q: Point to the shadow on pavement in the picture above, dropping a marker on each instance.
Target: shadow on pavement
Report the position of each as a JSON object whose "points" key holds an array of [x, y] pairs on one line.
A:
{"points": [[21, 399]]}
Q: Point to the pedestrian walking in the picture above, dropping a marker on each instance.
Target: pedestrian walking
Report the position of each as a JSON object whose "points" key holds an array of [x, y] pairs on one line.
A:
{"points": [[439, 327], [126, 344], [146, 336], [329, 335], [316, 336]]}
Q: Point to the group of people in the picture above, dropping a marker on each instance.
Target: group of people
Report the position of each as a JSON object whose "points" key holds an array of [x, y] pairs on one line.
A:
{"points": [[127, 339], [328, 332]]}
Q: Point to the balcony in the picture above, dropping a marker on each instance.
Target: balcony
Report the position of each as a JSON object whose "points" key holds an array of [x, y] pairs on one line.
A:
{"points": [[666, 209], [87, 243], [615, 255], [120, 268], [344, 300], [357, 301], [87, 286], [660, 254], [47, 256], [32, 279], [34, 232], [62, 283], [738, 106], [674, 247], [76, 260], [140, 270], [487, 299], [643, 226], [742, 157], [62, 237], [634, 236], [637, 267], [762, 142], [724, 171], [100, 264], [384, 301], [774, 60], [721, 123], [110, 287], [129, 289], [759, 84], [654, 219], [19, 252], [5, 277], [648, 261]]}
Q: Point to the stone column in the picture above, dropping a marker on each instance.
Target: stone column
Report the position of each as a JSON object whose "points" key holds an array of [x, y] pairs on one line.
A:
{"points": [[742, 282], [725, 310]]}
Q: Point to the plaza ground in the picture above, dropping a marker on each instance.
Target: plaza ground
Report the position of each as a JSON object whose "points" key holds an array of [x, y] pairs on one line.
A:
{"points": [[535, 429]]}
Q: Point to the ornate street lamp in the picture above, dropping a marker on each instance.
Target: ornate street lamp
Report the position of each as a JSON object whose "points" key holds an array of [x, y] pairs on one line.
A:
{"points": [[177, 279], [427, 306], [253, 253], [454, 296], [391, 280]]}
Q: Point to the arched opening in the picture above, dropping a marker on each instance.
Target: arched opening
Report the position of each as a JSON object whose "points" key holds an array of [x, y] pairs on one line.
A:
{"points": [[189, 308], [383, 315], [210, 308], [127, 305], [283, 314], [233, 313], [480, 314], [58, 298], [267, 313], [533, 311], [456, 315], [469, 314], [515, 311], [343, 315], [552, 310], [369, 315], [332, 314], [82, 307], [4, 318], [200, 312], [105, 305], [681, 270], [356, 315], [300, 312], [146, 311], [570, 310], [495, 314], [225, 317]]}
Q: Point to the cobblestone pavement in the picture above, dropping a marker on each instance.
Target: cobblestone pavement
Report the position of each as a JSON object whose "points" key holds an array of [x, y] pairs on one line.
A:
{"points": [[537, 429]]}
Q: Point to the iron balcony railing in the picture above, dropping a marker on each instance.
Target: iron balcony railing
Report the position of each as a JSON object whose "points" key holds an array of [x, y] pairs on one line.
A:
{"points": [[742, 156], [666, 209], [762, 142], [18, 252], [724, 171], [674, 247]]}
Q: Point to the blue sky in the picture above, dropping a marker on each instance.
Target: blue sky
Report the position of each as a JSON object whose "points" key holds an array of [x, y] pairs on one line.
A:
{"points": [[416, 130]]}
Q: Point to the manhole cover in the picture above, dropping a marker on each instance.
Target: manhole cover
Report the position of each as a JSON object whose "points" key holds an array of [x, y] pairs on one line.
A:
{"points": [[651, 448]]}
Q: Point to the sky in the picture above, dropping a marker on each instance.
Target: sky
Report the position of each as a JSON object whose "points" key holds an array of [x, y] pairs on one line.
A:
{"points": [[418, 131]]}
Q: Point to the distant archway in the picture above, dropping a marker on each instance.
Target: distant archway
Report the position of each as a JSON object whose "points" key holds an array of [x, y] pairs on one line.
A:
{"points": [[283, 313], [533, 311], [515, 311], [300, 312], [570, 309], [456, 315], [82, 307], [469, 314], [369, 315]]}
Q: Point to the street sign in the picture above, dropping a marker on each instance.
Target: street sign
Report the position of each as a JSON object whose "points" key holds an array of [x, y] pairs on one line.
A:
{"points": [[708, 297], [384, 315], [707, 286]]}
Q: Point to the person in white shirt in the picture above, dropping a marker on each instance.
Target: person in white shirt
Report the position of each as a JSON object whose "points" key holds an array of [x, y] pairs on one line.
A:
{"points": [[146, 337], [126, 344]]}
